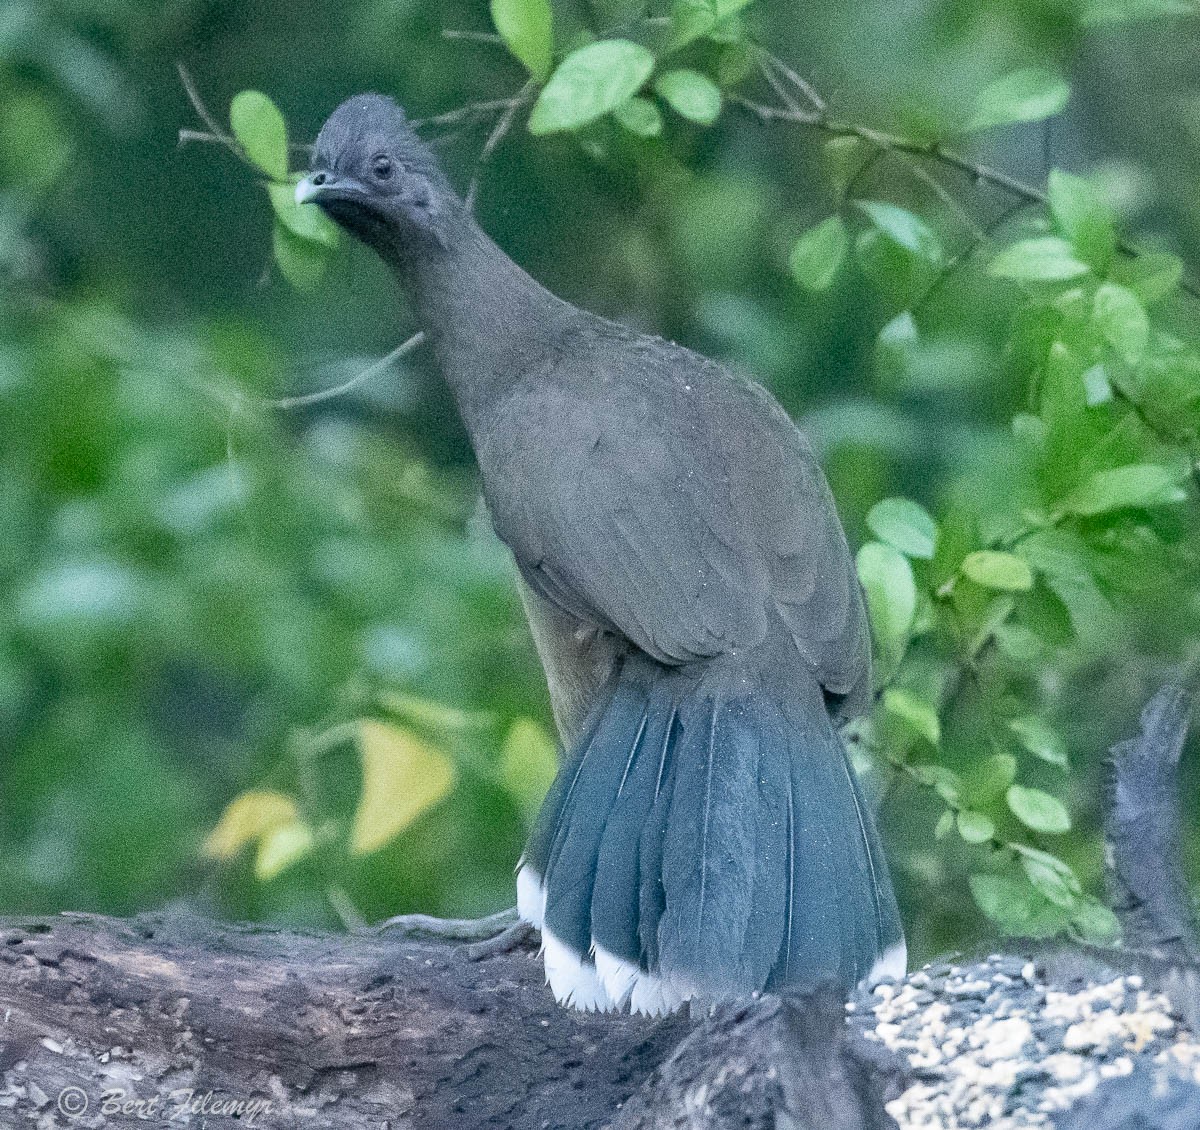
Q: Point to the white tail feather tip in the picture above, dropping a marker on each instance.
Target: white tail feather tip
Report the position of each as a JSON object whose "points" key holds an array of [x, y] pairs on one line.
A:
{"points": [[573, 980], [531, 896]]}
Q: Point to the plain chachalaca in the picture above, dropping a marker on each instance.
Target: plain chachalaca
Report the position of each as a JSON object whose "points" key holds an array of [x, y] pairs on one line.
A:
{"points": [[693, 602]]}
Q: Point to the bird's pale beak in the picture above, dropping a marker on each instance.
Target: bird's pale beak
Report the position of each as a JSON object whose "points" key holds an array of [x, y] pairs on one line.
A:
{"points": [[322, 184], [312, 186]]}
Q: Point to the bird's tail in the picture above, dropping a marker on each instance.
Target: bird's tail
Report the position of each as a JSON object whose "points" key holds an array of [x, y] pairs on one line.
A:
{"points": [[706, 838]]}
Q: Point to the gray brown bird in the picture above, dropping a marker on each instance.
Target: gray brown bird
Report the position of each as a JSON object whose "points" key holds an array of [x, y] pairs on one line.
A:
{"points": [[693, 601]]}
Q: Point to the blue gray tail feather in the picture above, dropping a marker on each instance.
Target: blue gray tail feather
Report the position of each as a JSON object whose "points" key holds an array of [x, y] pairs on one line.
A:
{"points": [[710, 834]]}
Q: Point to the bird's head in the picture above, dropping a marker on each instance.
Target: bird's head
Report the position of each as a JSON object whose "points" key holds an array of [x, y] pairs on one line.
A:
{"points": [[375, 177]]}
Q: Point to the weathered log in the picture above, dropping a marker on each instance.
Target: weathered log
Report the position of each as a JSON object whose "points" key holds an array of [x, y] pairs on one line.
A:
{"points": [[372, 1030]]}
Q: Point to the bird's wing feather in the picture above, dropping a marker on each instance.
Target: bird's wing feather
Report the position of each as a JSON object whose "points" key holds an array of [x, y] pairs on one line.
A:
{"points": [[678, 506]]}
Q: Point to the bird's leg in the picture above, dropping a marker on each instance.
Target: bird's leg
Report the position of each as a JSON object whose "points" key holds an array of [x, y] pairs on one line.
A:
{"points": [[509, 939], [493, 934]]}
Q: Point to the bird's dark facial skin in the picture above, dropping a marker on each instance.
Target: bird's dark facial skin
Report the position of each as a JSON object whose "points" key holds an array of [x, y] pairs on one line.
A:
{"points": [[373, 176]]}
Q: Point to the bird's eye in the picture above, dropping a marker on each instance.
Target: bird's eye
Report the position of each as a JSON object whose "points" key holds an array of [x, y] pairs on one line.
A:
{"points": [[381, 166]]}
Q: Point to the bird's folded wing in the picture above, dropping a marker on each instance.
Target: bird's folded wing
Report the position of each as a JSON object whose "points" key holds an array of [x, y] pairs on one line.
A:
{"points": [[627, 545], [688, 528]]}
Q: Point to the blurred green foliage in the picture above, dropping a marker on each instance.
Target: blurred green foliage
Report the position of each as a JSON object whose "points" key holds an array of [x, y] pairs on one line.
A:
{"points": [[231, 617]]}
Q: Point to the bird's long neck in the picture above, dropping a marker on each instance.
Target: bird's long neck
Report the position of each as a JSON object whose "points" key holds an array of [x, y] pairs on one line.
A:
{"points": [[487, 320]]}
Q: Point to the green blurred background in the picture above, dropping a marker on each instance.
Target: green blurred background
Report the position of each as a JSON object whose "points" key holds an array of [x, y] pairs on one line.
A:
{"points": [[194, 587]]}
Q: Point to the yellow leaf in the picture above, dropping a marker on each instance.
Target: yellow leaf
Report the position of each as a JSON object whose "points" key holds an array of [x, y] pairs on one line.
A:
{"points": [[402, 778], [528, 763], [249, 817], [281, 847]]}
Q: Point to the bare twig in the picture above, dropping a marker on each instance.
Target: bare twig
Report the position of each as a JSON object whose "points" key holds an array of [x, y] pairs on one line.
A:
{"points": [[193, 94], [186, 135], [806, 88], [288, 402], [467, 113], [981, 239], [782, 93], [932, 150], [498, 134], [473, 36]]}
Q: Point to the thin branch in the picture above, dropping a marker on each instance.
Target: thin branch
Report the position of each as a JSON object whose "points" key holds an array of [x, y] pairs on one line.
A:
{"points": [[862, 171], [469, 112], [498, 134], [288, 402], [193, 94], [982, 238], [803, 85], [784, 95], [932, 150], [473, 36], [186, 135], [948, 199]]}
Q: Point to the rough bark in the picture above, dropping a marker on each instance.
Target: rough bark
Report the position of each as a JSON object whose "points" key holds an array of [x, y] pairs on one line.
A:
{"points": [[331, 1031], [140, 1017]]}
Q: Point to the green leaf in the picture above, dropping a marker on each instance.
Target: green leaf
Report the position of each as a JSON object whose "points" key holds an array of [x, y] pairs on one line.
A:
{"points": [[1044, 259], [993, 776], [527, 28], [1038, 810], [905, 525], [1040, 739], [1095, 922], [1022, 96], [945, 782], [640, 116], [975, 827], [818, 254], [260, 131], [1020, 644], [589, 83], [944, 825], [691, 94], [842, 158], [1005, 899], [896, 345], [995, 570], [1151, 275], [903, 228], [301, 261], [304, 220], [1051, 877], [1083, 217], [1138, 484], [919, 715], [891, 592], [1064, 561], [1122, 321], [693, 19]]}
